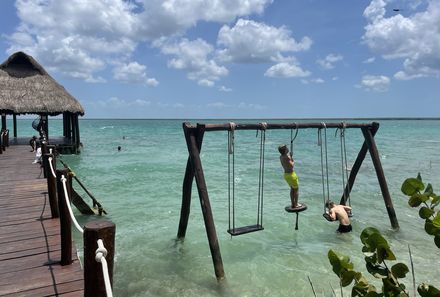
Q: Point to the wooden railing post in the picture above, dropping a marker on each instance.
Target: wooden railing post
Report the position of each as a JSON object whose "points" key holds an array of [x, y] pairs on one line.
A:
{"points": [[65, 221], [93, 278], [1, 141], [44, 152], [52, 187]]}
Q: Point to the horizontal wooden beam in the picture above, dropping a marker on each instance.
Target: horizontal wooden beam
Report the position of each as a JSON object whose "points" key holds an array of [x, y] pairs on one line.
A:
{"points": [[280, 126]]}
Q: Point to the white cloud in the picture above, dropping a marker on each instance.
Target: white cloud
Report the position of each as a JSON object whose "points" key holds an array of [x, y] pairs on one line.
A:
{"points": [[286, 70], [82, 38], [377, 83], [133, 73], [329, 61], [252, 42], [415, 39], [195, 57], [225, 89], [369, 60]]}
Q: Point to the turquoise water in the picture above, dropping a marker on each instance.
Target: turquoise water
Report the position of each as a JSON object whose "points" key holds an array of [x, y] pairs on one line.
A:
{"points": [[140, 187]]}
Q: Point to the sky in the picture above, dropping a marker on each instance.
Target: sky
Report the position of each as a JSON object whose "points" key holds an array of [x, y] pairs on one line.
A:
{"points": [[235, 58]]}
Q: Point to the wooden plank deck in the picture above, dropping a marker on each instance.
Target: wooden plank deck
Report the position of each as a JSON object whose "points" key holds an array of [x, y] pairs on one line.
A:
{"points": [[30, 248]]}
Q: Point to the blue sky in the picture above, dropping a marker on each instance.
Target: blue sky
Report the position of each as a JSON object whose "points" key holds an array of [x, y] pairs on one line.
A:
{"points": [[235, 58]]}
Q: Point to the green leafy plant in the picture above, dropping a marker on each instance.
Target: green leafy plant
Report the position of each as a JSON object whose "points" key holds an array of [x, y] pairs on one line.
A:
{"points": [[378, 253], [424, 198]]}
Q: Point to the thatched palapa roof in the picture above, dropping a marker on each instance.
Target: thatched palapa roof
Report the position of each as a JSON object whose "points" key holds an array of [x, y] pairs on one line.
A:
{"points": [[26, 88]]}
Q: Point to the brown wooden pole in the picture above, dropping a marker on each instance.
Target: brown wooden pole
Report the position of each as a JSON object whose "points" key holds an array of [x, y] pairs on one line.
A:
{"points": [[93, 277], [369, 139], [52, 187], [14, 121], [65, 221], [356, 166], [3, 121], [1, 142], [44, 152], [186, 191], [191, 136], [78, 136]]}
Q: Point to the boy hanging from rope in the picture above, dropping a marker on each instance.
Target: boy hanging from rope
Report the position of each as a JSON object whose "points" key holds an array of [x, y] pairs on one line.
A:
{"points": [[289, 174]]}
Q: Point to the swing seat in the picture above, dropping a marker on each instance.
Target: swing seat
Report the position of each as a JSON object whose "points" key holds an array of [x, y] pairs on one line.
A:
{"points": [[297, 209], [245, 229]]}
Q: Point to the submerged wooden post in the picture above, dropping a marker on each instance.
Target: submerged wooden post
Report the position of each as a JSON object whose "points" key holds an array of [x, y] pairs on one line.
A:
{"points": [[369, 139], [14, 122], [191, 136], [93, 278], [186, 191], [52, 187], [356, 166], [65, 221]]}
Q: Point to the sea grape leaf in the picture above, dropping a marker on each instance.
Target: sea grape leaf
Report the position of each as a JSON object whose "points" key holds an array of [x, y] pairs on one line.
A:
{"points": [[347, 277], [399, 270], [340, 263], [435, 200], [376, 270], [366, 233], [436, 220], [426, 290], [425, 212], [437, 241], [411, 186], [416, 199], [429, 190], [429, 227]]}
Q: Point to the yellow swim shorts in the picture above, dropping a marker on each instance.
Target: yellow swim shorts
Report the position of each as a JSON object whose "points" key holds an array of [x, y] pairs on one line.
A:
{"points": [[292, 179]]}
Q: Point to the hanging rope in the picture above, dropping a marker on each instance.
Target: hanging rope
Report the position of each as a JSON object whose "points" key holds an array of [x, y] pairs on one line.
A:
{"points": [[261, 174], [326, 196], [100, 254], [292, 138], [231, 190], [344, 164], [66, 196], [51, 167]]}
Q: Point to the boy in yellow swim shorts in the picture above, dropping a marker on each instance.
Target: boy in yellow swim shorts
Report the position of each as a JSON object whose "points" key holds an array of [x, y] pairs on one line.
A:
{"points": [[289, 174]]}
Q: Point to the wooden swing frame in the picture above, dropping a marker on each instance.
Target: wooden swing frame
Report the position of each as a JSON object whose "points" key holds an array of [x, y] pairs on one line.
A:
{"points": [[194, 170]]}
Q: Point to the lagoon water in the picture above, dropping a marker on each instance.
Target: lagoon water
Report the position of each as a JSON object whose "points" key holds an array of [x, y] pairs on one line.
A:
{"points": [[141, 185]]}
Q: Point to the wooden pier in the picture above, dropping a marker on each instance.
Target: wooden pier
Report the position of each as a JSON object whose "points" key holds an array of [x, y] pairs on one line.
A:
{"points": [[30, 249]]}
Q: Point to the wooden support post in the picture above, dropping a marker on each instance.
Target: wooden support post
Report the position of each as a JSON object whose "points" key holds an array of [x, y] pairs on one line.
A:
{"points": [[356, 166], [44, 152], [93, 277], [65, 221], [369, 139], [191, 136], [65, 124], [3, 121], [1, 142], [14, 121], [78, 136], [52, 187], [186, 191]]}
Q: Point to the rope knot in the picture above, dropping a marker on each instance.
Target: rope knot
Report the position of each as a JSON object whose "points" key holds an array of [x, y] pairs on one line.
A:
{"points": [[101, 251]]}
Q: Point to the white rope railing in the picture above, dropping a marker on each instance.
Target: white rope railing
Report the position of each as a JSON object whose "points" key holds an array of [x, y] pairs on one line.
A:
{"points": [[100, 254], [66, 196], [51, 167]]}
